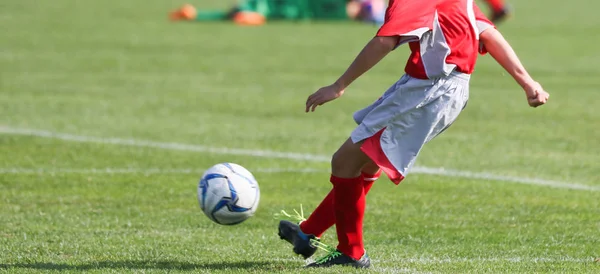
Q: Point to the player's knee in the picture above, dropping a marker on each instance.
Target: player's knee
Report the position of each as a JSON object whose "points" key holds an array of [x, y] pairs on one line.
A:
{"points": [[337, 163], [344, 165], [370, 168]]}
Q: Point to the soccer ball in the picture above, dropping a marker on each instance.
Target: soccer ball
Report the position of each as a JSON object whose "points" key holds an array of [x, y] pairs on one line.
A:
{"points": [[228, 194]]}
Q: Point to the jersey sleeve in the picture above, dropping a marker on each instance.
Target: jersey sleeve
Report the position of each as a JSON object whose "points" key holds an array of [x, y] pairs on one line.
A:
{"points": [[408, 19], [483, 23]]}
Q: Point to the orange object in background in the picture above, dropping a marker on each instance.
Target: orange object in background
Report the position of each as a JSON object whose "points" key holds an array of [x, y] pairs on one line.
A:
{"points": [[186, 12], [246, 18]]}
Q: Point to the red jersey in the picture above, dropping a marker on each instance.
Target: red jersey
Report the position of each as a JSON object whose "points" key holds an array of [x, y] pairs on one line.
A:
{"points": [[443, 35]]}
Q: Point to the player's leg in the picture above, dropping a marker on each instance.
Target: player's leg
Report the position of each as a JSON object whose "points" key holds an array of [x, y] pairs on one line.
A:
{"points": [[370, 173], [322, 218], [349, 207]]}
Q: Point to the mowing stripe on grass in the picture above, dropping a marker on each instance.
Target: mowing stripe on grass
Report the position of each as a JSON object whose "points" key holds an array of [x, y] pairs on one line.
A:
{"points": [[384, 269], [282, 155], [454, 260], [450, 260]]}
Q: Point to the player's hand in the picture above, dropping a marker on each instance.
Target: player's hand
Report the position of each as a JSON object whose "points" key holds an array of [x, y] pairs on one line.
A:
{"points": [[536, 96], [323, 95]]}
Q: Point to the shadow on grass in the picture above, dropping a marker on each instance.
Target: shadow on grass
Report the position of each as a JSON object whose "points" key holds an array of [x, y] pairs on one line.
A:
{"points": [[160, 265]]}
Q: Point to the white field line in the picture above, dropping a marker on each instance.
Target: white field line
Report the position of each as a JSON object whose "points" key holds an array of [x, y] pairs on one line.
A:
{"points": [[493, 177], [161, 145], [417, 170], [127, 170], [280, 155]]}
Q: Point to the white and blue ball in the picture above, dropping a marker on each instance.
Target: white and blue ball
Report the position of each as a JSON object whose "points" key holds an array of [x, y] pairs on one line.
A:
{"points": [[228, 194]]}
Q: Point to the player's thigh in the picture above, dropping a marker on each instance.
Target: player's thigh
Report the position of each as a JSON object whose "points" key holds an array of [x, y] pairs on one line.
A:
{"points": [[348, 160]]}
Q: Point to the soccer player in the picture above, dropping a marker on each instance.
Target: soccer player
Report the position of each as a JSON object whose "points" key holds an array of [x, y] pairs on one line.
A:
{"points": [[445, 37]]}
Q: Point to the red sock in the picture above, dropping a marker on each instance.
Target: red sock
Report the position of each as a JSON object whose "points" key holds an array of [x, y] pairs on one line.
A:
{"points": [[496, 5], [323, 217], [349, 198], [369, 179]]}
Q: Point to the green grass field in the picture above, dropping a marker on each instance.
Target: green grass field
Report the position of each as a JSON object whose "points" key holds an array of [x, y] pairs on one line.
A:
{"points": [[109, 114]]}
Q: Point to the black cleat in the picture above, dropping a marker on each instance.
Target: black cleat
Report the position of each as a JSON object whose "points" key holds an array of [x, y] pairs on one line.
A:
{"points": [[292, 234], [338, 258], [501, 15]]}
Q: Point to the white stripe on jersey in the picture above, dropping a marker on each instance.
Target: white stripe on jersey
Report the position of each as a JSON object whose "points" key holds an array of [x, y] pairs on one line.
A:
{"points": [[472, 20]]}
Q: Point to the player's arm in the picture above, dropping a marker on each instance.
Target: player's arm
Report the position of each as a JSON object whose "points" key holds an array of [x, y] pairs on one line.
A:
{"points": [[503, 53], [371, 54]]}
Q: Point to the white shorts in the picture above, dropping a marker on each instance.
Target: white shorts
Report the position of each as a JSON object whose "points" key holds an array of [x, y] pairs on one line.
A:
{"points": [[408, 115]]}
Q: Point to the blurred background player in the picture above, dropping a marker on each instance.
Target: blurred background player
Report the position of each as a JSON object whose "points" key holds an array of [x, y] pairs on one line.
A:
{"points": [[257, 12], [499, 10], [372, 11]]}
